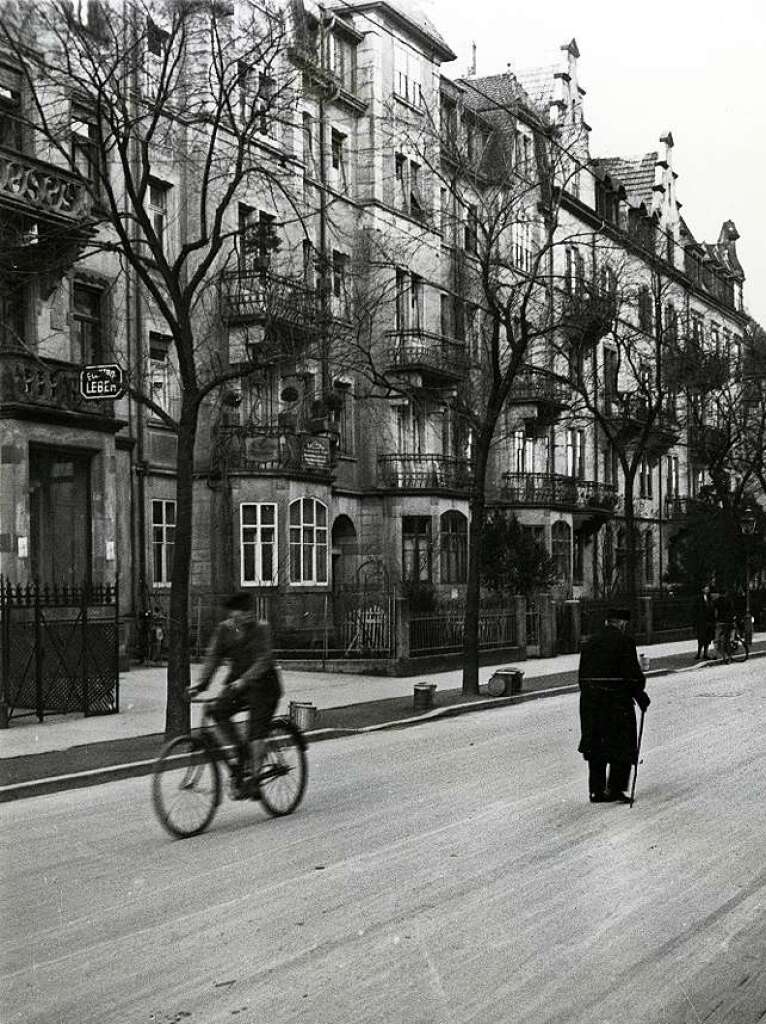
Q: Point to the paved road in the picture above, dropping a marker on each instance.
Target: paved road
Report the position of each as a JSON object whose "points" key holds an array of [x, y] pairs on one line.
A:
{"points": [[438, 875]]}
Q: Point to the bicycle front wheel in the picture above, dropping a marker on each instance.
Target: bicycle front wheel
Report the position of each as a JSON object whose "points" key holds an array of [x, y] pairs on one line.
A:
{"points": [[284, 772], [186, 786]]}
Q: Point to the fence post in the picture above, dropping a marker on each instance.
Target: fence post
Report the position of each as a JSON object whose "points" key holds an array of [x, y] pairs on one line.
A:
{"points": [[39, 708], [547, 626], [648, 617], [84, 663], [117, 643], [5, 636], [402, 628], [520, 610]]}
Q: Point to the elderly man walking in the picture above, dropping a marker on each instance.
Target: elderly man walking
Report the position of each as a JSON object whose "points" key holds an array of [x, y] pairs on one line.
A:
{"points": [[610, 681]]}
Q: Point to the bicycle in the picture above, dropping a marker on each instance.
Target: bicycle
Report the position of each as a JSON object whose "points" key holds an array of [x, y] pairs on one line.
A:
{"points": [[732, 645], [186, 780]]}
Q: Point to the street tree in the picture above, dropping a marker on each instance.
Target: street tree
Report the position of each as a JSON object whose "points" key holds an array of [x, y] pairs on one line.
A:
{"points": [[117, 95]]}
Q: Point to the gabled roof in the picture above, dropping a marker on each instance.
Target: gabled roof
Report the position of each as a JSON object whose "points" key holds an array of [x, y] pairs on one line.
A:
{"points": [[406, 11], [497, 93], [635, 174], [540, 84]]}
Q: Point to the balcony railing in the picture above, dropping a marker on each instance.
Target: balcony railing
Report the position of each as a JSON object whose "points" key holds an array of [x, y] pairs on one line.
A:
{"points": [[588, 315], [270, 450], [424, 473], [535, 385], [706, 441], [259, 296], [33, 187], [677, 508], [554, 490], [629, 414], [30, 383], [430, 354]]}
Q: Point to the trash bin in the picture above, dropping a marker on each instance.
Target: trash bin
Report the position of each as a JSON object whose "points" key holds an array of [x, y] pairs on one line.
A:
{"points": [[423, 696], [504, 682], [303, 714]]}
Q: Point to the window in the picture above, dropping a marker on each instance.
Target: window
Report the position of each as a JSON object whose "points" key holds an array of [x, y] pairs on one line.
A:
{"points": [[671, 323], [416, 302], [575, 453], [86, 325], [523, 452], [309, 264], [342, 416], [521, 241], [163, 381], [13, 314], [309, 161], [673, 477], [645, 310], [407, 85], [10, 108], [454, 548], [247, 91], [85, 143], [401, 308], [471, 228], [258, 544], [157, 41], [649, 556], [163, 540], [611, 376], [610, 465], [416, 548], [342, 61], [267, 90], [308, 541], [159, 193], [715, 339], [523, 154], [338, 152], [697, 329], [578, 558], [339, 292], [645, 479], [561, 549], [417, 208]]}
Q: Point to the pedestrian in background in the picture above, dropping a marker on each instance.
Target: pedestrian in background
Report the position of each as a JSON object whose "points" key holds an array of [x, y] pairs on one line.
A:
{"points": [[724, 620], [704, 622], [610, 679]]}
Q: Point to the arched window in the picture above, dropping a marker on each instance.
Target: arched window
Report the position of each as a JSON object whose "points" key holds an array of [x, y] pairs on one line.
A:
{"points": [[454, 547], [649, 555], [308, 541], [561, 549]]}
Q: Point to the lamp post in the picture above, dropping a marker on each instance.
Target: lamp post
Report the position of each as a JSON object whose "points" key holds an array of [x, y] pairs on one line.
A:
{"points": [[747, 527]]}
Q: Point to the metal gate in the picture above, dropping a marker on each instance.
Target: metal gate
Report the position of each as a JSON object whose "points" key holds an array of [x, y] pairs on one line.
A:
{"points": [[59, 650]]}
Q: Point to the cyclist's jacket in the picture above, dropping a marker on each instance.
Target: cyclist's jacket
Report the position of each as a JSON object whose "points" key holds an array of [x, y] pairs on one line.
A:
{"points": [[245, 644]]}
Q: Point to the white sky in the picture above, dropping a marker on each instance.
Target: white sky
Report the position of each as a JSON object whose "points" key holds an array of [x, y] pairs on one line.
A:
{"points": [[694, 67]]}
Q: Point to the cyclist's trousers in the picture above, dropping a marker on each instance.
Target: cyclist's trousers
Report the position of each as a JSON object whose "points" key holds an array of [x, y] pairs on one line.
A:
{"points": [[260, 699]]}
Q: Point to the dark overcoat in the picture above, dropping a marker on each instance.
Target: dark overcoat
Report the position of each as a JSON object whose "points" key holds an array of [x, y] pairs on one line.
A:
{"points": [[704, 619], [610, 677]]}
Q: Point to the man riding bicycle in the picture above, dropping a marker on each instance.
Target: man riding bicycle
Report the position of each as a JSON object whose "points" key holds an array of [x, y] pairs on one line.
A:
{"points": [[252, 684], [724, 617]]}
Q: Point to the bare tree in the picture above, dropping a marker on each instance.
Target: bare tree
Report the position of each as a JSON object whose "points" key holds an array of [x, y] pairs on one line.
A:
{"points": [[118, 96]]}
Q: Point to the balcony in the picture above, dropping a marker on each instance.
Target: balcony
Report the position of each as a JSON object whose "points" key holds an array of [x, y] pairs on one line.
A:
{"points": [[680, 509], [707, 443], [424, 473], [433, 359], [259, 296], [41, 190], [271, 451], [49, 390], [587, 315], [630, 414], [553, 490], [541, 398]]}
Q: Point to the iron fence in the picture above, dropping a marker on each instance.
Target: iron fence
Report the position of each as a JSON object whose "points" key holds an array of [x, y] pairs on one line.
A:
{"points": [[59, 650], [443, 632], [671, 613]]}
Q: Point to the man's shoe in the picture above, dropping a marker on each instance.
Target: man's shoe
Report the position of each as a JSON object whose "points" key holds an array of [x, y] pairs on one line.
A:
{"points": [[618, 798], [598, 798]]}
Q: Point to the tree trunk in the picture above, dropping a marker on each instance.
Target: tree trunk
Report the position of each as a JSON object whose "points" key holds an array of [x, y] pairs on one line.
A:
{"points": [[631, 568], [473, 589], [177, 716]]}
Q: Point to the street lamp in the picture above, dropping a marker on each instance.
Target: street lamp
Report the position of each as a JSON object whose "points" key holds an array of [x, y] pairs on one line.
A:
{"points": [[747, 527]]}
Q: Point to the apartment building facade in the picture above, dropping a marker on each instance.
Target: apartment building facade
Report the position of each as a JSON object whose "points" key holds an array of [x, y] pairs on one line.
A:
{"points": [[338, 459]]}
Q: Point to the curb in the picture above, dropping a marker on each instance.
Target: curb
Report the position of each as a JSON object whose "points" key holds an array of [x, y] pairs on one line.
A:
{"points": [[135, 769]]}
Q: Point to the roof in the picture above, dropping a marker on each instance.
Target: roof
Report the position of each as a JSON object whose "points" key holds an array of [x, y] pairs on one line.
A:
{"points": [[540, 84], [496, 92], [636, 174], [406, 11]]}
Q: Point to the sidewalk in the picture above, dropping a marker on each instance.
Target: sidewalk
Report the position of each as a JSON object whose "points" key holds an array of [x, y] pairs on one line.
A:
{"points": [[70, 750]]}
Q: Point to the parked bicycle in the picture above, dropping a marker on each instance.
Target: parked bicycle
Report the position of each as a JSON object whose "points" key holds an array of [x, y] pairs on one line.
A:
{"points": [[732, 645], [187, 786]]}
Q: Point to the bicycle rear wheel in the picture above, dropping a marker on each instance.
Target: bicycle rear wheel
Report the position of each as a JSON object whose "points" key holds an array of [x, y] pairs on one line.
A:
{"points": [[186, 786], [740, 650], [284, 772]]}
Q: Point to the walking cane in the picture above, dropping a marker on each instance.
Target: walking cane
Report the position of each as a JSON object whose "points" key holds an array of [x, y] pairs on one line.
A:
{"points": [[638, 754]]}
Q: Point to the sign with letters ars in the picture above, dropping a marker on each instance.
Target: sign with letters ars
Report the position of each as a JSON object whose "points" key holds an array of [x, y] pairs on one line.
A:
{"points": [[105, 380]]}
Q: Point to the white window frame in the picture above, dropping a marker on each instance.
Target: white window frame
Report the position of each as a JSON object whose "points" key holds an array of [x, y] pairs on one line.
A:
{"points": [[163, 381], [165, 541], [319, 540], [258, 544], [158, 204]]}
